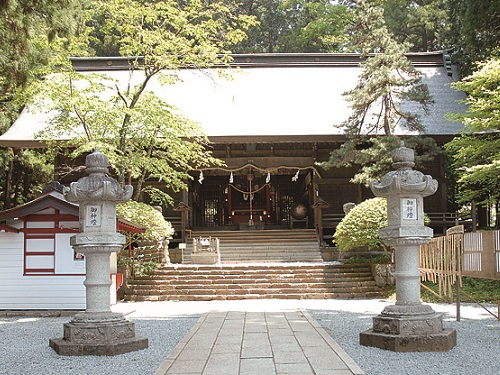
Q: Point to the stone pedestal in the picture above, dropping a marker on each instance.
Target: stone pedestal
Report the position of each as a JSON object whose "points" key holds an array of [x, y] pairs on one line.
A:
{"points": [[409, 325], [254, 225], [98, 331], [205, 257], [98, 334], [205, 251], [409, 328]]}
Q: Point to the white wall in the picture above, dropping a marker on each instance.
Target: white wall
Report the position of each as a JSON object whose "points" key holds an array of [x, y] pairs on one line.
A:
{"points": [[65, 261], [19, 292], [63, 290]]}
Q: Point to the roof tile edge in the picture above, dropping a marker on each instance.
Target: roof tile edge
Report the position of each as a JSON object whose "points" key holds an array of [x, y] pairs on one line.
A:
{"points": [[419, 59]]}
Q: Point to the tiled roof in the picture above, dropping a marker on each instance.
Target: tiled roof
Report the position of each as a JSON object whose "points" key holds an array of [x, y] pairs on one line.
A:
{"points": [[270, 95]]}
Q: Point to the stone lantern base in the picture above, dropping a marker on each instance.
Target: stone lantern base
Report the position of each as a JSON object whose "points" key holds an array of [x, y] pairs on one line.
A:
{"points": [[98, 334], [409, 328]]}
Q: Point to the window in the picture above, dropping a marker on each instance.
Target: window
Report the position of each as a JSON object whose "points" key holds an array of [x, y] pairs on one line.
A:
{"points": [[47, 249]]}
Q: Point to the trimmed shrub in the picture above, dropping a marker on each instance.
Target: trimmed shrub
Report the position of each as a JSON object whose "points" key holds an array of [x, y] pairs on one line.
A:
{"points": [[156, 226], [359, 229]]}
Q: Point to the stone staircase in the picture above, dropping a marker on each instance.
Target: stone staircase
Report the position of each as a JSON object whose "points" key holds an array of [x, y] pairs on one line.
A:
{"points": [[247, 281], [250, 246]]}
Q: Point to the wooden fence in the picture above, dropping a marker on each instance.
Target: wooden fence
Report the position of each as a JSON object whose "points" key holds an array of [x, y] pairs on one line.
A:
{"points": [[445, 260], [462, 254], [440, 261]]}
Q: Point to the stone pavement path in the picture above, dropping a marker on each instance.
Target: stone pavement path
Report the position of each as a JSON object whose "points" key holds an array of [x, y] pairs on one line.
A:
{"points": [[258, 343]]}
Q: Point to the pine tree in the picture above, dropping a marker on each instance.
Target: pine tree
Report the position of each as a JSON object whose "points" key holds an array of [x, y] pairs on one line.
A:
{"points": [[386, 86], [30, 32]]}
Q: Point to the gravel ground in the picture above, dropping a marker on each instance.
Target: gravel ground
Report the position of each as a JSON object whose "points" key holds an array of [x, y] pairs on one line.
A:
{"points": [[477, 350], [26, 351], [25, 347]]}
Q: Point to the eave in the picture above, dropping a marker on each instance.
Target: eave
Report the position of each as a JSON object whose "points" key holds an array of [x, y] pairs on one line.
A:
{"points": [[260, 60]]}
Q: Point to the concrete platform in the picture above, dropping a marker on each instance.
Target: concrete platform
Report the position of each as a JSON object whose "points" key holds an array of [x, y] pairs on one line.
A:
{"points": [[263, 343]]}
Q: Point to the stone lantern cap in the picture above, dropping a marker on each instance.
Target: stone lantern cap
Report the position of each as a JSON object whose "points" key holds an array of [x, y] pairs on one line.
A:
{"points": [[320, 203], [98, 186], [404, 180], [97, 195]]}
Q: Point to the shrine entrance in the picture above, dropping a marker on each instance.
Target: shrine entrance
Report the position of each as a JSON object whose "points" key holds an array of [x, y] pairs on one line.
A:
{"points": [[253, 199]]}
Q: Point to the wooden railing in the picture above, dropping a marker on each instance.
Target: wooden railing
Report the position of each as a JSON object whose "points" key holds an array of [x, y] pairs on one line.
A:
{"points": [[442, 221], [332, 220]]}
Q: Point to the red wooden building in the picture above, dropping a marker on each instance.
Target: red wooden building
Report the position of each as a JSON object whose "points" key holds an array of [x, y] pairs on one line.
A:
{"points": [[38, 267]]}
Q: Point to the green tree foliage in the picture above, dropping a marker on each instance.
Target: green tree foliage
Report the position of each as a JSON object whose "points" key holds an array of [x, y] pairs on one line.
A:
{"points": [[314, 26], [360, 228], [29, 36], [144, 137], [26, 30], [294, 26], [157, 228], [483, 97], [475, 30], [423, 23], [476, 154], [388, 79], [24, 175]]}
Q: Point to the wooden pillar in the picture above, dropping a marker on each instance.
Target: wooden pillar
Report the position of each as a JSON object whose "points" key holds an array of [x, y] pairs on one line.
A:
{"points": [[268, 202], [229, 202]]}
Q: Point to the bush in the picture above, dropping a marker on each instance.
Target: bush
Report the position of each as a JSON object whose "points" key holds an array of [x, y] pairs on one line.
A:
{"points": [[359, 229], [139, 267], [157, 228], [374, 259]]}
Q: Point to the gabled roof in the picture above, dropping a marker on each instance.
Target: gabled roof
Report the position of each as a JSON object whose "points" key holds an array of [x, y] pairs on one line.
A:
{"points": [[299, 96], [53, 198]]}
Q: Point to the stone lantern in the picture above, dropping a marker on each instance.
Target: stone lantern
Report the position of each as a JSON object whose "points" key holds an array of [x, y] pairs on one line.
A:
{"points": [[184, 209], [408, 325], [98, 331]]}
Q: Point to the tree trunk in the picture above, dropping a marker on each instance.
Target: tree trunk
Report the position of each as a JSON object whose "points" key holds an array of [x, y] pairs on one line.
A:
{"points": [[138, 189], [387, 114], [424, 39], [8, 185]]}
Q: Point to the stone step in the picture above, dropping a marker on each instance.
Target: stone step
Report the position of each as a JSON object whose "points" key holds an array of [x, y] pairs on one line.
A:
{"points": [[279, 268], [270, 245], [161, 282], [240, 246], [257, 240], [254, 281], [262, 288], [299, 269], [265, 251], [248, 278], [262, 293], [231, 289], [242, 234], [300, 295], [196, 277]]}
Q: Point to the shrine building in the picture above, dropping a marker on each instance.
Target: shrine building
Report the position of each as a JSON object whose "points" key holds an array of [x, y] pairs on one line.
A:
{"points": [[271, 123]]}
